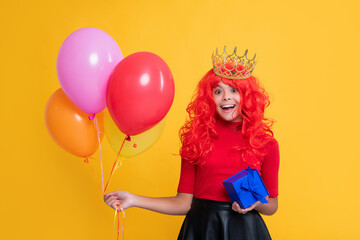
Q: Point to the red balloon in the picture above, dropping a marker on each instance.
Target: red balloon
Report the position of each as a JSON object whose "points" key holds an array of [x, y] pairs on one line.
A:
{"points": [[140, 92]]}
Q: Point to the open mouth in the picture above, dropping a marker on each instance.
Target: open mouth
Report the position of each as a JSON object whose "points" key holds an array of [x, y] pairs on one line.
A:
{"points": [[229, 106]]}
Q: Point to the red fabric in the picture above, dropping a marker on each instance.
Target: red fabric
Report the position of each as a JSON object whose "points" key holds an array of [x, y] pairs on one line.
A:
{"points": [[222, 162]]}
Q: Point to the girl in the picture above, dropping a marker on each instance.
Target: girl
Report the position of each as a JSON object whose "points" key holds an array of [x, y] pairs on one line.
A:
{"points": [[226, 132]]}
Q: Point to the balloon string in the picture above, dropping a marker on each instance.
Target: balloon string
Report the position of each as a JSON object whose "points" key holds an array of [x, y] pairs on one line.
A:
{"points": [[101, 163], [89, 160], [116, 163], [117, 217], [115, 166]]}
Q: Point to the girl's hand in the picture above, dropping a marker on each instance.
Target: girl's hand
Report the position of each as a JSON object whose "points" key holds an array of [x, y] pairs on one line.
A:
{"points": [[236, 207], [122, 198]]}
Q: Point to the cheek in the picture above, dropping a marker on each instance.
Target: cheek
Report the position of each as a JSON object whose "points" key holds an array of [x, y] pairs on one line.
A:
{"points": [[238, 98], [217, 100]]}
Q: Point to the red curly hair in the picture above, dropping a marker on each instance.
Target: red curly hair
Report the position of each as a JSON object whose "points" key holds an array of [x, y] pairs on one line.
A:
{"points": [[197, 132]]}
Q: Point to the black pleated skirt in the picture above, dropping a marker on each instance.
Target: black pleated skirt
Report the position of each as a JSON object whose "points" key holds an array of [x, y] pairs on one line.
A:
{"points": [[213, 220]]}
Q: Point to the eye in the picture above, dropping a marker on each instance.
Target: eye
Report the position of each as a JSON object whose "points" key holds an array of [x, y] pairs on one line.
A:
{"points": [[217, 91], [234, 90]]}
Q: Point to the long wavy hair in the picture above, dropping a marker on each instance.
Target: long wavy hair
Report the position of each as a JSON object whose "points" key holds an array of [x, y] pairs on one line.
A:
{"points": [[197, 132]]}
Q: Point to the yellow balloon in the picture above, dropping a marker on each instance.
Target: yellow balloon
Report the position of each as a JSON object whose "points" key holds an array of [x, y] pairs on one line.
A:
{"points": [[138, 143]]}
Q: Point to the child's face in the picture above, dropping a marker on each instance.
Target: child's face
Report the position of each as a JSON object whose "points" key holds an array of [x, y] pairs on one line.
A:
{"points": [[227, 101]]}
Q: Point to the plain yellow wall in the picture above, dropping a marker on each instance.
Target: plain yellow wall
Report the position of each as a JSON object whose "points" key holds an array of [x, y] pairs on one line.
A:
{"points": [[308, 61]]}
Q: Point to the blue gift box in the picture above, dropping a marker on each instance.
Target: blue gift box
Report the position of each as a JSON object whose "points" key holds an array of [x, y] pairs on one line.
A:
{"points": [[246, 188]]}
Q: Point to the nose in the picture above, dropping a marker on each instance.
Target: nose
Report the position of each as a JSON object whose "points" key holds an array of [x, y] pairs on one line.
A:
{"points": [[226, 96]]}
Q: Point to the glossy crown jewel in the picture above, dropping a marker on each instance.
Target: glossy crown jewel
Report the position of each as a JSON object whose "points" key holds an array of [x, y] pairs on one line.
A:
{"points": [[233, 66]]}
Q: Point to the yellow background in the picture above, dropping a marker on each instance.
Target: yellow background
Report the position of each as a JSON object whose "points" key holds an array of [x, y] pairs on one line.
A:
{"points": [[308, 62]]}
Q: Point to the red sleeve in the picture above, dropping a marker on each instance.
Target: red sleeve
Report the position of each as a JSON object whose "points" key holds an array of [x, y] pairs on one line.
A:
{"points": [[187, 178], [270, 169]]}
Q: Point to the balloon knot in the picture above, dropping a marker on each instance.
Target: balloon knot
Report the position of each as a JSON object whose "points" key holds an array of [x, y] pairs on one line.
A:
{"points": [[91, 117], [86, 160], [128, 138]]}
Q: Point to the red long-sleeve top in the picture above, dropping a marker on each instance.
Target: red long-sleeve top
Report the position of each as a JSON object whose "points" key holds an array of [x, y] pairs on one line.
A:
{"points": [[224, 161]]}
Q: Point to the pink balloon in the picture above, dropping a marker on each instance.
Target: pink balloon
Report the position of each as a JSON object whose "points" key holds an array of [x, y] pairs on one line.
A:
{"points": [[85, 62]]}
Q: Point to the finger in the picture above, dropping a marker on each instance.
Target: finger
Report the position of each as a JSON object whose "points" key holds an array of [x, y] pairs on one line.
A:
{"points": [[252, 206], [106, 196], [119, 208], [109, 203], [236, 207], [249, 208], [114, 203], [111, 198], [235, 204], [110, 193]]}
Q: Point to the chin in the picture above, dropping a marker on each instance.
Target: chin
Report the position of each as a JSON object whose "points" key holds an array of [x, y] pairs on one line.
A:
{"points": [[231, 119]]}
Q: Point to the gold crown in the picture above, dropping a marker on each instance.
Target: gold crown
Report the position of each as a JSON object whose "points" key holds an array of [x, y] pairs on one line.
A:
{"points": [[232, 66]]}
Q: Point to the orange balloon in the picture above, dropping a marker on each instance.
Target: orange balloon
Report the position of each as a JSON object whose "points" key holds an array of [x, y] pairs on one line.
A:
{"points": [[70, 127]]}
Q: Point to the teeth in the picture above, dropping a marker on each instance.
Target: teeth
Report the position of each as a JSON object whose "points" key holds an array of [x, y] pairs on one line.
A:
{"points": [[227, 106]]}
